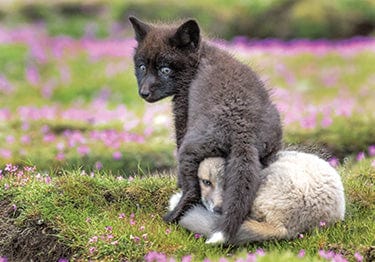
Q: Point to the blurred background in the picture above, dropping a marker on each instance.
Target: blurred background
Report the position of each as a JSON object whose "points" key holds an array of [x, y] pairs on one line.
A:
{"points": [[68, 95], [285, 19]]}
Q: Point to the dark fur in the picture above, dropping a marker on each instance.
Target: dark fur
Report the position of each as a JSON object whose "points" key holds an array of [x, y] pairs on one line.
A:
{"points": [[221, 108]]}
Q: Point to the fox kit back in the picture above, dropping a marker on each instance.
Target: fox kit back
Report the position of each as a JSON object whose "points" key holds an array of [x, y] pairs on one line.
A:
{"points": [[221, 109]]}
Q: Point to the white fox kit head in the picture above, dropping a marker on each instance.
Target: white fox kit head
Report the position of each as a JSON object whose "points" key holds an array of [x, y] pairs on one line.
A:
{"points": [[210, 174]]}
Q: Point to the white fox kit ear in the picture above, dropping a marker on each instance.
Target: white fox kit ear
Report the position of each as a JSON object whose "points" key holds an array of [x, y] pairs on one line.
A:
{"points": [[187, 36], [141, 29]]}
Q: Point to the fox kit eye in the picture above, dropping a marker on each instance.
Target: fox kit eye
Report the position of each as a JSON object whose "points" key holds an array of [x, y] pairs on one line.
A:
{"points": [[142, 68], [165, 70], [206, 182]]}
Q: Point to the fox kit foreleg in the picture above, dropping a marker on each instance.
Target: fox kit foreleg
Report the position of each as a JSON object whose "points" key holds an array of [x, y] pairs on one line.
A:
{"points": [[194, 149], [241, 182]]}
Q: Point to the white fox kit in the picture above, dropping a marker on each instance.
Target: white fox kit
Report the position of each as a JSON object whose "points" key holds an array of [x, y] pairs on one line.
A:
{"points": [[297, 192]]}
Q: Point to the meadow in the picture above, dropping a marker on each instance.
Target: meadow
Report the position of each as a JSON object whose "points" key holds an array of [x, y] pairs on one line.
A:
{"points": [[87, 167]]}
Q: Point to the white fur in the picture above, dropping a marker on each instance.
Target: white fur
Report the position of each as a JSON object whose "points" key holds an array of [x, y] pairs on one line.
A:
{"points": [[298, 191], [216, 238], [173, 201]]}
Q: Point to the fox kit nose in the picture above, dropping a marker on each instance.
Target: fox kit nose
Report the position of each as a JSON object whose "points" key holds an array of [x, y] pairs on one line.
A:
{"points": [[218, 210], [144, 93]]}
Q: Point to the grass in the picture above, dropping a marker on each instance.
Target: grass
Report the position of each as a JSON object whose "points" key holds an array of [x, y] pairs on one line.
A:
{"points": [[102, 217]]}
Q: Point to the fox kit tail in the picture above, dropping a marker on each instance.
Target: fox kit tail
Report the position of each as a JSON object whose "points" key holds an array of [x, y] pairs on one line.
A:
{"points": [[200, 220], [254, 231]]}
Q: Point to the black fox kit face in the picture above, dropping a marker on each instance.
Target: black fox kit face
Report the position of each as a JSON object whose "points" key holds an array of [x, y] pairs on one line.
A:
{"points": [[166, 58], [210, 173]]}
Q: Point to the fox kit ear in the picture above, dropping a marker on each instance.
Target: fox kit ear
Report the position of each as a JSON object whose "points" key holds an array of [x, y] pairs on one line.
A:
{"points": [[141, 29], [187, 36]]}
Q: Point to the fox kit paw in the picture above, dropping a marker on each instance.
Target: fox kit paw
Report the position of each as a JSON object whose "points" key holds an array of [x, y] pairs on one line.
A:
{"points": [[173, 201], [216, 238]]}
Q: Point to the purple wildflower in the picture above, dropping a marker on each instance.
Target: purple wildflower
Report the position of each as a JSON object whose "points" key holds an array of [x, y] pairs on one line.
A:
{"points": [[98, 165], [334, 162], [187, 258], [154, 256], [301, 253], [135, 239], [94, 239], [117, 155], [371, 150], [92, 250], [358, 257], [361, 156], [260, 252]]}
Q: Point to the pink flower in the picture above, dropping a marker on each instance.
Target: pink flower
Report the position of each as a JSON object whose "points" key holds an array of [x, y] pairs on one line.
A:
{"points": [[373, 163], [94, 239], [10, 139], [132, 222], [300, 236], [154, 256], [108, 228], [260, 252], [14, 207], [371, 150], [92, 250], [88, 220], [60, 156], [322, 223], [361, 156], [121, 216], [114, 243], [135, 239], [110, 236], [5, 153], [358, 257], [168, 231], [6, 186], [142, 228], [117, 155], [3, 259], [196, 235], [47, 180], [25, 139], [144, 236], [83, 150], [98, 165], [49, 137], [301, 253], [334, 162], [186, 258], [32, 75]]}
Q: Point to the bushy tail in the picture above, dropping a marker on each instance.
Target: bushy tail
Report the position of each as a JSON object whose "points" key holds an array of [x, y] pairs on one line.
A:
{"points": [[254, 231], [199, 220]]}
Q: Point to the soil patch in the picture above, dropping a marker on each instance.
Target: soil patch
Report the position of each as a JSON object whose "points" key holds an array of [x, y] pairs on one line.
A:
{"points": [[34, 241]]}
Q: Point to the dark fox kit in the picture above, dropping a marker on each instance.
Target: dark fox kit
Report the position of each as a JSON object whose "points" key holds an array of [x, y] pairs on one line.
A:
{"points": [[221, 108]]}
